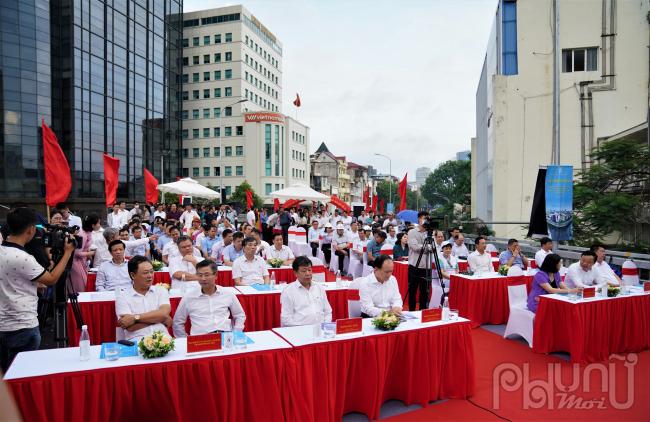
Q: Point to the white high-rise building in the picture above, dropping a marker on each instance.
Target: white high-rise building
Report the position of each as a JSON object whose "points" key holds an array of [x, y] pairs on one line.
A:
{"points": [[421, 175], [233, 126]]}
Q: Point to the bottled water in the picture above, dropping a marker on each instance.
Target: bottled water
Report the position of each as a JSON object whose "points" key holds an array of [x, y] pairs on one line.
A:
{"points": [[338, 279], [84, 344], [445, 309], [272, 281]]}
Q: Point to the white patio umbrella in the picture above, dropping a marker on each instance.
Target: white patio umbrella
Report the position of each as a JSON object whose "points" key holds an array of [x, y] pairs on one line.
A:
{"points": [[188, 187], [301, 192]]}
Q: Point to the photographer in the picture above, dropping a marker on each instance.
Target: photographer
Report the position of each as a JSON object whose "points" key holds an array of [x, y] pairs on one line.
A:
{"points": [[417, 274], [19, 275]]}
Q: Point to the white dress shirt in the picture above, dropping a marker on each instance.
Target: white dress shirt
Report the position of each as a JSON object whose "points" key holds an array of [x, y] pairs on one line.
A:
{"points": [[313, 235], [577, 277], [459, 250], [140, 248], [250, 217], [177, 263], [73, 220], [605, 273], [346, 222], [340, 240], [391, 240], [217, 252], [480, 262], [376, 297], [171, 250], [131, 302], [284, 253], [302, 306], [540, 255], [250, 272], [161, 214], [115, 220], [110, 275], [208, 313], [187, 217]]}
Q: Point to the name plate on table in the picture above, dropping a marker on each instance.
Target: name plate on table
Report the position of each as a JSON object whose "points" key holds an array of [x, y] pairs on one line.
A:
{"points": [[204, 343], [646, 286], [431, 315], [348, 325], [588, 292]]}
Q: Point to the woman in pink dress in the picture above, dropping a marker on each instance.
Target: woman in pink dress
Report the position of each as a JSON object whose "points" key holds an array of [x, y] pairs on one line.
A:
{"points": [[79, 271]]}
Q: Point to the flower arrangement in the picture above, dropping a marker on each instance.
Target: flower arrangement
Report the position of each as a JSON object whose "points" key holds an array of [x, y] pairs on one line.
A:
{"points": [[157, 265], [613, 291], [386, 321], [503, 269], [275, 262], [156, 345], [165, 286]]}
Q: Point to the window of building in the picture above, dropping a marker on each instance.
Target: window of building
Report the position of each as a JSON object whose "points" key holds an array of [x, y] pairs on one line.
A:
{"points": [[206, 113], [206, 76], [195, 172], [228, 190], [206, 58], [185, 78], [277, 150], [206, 171], [186, 61], [185, 42], [217, 92], [268, 188], [216, 131], [239, 151], [239, 130], [228, 151], [185, 95], [277, 186], [185, 114], [185, 134], [195, 94], [228, 73], [195, 41], [186, 172], [509, 42], [195, 133], [228, 91], [228, 171], [217, 38], [185, 153], [580, 59], [227, 111], [227, 131], [206, 40], [267, 150], [239, 170], [228, 56], [216, 151], [217, 75], [195, 59], [217, 171], [195, 113], [216, 112], [228, 36], [206, 132], [206, 152], [217, 57], [206, 93], [195, 152]]}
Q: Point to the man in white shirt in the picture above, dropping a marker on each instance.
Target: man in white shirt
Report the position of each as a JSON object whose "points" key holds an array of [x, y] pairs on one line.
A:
{"points": [[391, 239], [379, 291], [216, 254], [346, 220], [115, 218], [250, 268], [390, 221], [114, 273], [605, 272], [20, 275], [280, 251], [250, 217], [69, 219], [142, 249], [303, 302], [210, 308], [170, 249], [480, 261], [160, 212], [341, 245], [143, 308], [188, 216], [546, 249], [582, 273], [136, 211], [359, 244], [234, 250], [438, 240], [262, 245], [458, 248], [182, 267], [313, 237]]}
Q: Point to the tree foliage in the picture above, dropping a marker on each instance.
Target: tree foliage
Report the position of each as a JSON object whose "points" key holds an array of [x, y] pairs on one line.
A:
{"points": [[612, 192], [239, 195], [412, 200], [447, 185]]}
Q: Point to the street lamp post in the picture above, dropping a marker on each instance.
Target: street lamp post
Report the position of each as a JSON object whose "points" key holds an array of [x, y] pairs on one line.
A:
{"points": [[222, 193], [390, 176]]}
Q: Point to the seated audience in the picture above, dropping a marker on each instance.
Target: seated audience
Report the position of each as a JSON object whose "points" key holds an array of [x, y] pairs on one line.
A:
{"points": [[279, 251], [378, 291], [513, 256], [114, 273], [546, 248], [458, 248], [170, 249], [234, 250], [480, 261], [582, 273], [304, 302], [341, 245], [250, 268], [605, 272], [216, 254], [373, 249], [401, 248], [182, 267], [313, 237], [547, 281], [448, 262]]}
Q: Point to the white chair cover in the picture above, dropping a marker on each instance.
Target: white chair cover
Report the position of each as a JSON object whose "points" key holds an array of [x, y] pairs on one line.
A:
{"points": [[521, 319], [354, 306], [387, 250], [515, 271], [334, 263]]}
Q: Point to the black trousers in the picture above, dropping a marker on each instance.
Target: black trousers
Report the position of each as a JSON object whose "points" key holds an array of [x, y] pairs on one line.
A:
{"points": [[327, 251], [417, 281], [285, 234], [341, 254], [314, 248]]}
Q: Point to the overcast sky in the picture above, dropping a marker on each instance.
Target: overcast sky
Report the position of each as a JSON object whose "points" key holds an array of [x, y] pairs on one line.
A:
{"points": [[393, 77]]}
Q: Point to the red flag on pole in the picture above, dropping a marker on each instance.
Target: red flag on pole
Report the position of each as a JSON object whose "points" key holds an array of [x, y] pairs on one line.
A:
{"points": [[58, 182], [338, 203], [296, 102], [276, 204], [401, 190], [249, 199], [111, 174], [150, 185], [381, 206], [374, 203]]}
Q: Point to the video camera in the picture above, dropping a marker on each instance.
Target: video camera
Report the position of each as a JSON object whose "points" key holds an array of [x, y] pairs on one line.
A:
{"points": [[431, 224], [55, 237]]}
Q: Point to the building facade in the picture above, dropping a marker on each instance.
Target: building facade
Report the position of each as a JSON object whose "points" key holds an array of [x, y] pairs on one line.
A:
{"points": [[358, 181], [104, 76], [233, 126], [603, 92], [421, 175]]}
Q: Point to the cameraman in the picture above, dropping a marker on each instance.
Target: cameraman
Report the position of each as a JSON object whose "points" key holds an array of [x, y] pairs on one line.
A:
{"points": [[19, 275], [417, 274]]}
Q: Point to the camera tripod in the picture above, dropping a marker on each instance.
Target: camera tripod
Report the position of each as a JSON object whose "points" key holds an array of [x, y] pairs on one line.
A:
{"points": [[430, 254], [64, 290]]}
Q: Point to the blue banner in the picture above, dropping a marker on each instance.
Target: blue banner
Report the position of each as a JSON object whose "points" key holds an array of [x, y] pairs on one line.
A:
{"points": [[559, 202]]}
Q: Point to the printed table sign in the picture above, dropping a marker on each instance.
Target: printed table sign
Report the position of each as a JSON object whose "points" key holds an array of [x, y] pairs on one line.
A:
{"points": [[588, 292], [204, 343], [348, 325], [431, 315], [646, 286]]}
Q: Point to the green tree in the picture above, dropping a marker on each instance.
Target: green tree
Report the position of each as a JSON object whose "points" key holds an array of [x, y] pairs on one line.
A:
{"points": [[447, 185], [412, 199], [239, 195], [612, 192]]}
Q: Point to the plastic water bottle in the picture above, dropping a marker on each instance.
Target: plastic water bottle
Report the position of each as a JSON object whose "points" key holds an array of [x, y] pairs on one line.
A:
{"points": [[338, 279], [445, 309], [272, 281], [84, 344]]}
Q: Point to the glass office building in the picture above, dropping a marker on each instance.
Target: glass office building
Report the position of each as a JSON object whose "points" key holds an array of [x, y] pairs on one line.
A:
{"points": [[113, 86]]}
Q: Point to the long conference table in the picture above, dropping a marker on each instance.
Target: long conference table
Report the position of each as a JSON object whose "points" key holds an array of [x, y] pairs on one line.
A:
{"points": [[283, 375]]}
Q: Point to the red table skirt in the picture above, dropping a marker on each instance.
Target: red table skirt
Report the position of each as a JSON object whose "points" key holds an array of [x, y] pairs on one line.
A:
{"points": [[358, 375], [483, 301], [464, 266], [591, 331], [262, 313], [222, 388], [282, 275], [158, 277]]}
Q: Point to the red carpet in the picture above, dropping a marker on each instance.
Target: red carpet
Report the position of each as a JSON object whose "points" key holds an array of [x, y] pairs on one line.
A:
{"points": [[563, 399]]}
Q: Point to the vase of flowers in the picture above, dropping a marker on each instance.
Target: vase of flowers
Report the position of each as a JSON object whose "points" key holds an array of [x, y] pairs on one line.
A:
{"points": [[386, 321], [275, 262], [157, 265], [165, 286], [503, 270], [613, 291], [156, 345]]}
